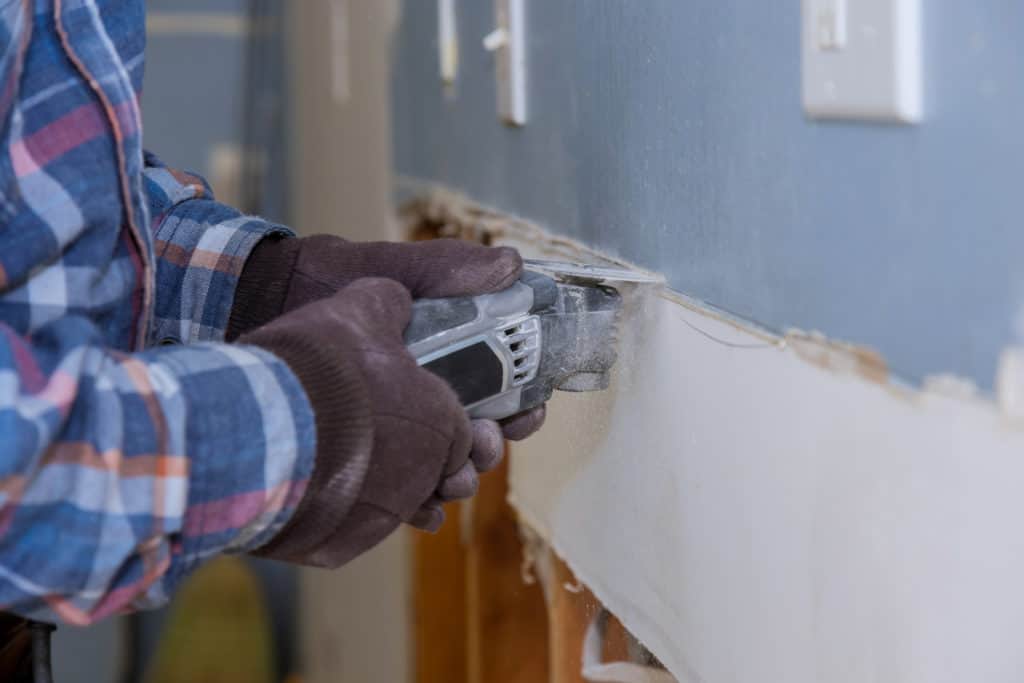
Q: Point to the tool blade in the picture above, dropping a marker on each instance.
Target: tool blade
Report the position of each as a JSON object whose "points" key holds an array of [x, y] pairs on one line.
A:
{"points": [[590, 274]]}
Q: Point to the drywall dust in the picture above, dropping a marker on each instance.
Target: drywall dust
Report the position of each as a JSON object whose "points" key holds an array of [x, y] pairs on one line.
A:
{"points": [[457, 216]]}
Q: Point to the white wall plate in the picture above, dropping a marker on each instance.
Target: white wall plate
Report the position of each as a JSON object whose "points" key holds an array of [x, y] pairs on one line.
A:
{"points": [[862, 59], [508, 43]]}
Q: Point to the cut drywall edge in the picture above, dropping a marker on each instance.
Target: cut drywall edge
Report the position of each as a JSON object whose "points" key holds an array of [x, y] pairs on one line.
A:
{"points": [[777, 507], [464, 217], [538, 543], [721, 500]]}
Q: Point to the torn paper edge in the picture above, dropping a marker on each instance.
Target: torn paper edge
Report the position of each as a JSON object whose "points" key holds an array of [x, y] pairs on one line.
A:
{"points": [[460, 216]]}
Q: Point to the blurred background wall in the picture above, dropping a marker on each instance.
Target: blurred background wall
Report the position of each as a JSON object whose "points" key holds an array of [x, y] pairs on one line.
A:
{"points": [[354, 622]]}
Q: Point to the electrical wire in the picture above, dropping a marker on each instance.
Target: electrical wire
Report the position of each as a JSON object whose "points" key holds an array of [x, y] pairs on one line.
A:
{"points": [[734, 345]]}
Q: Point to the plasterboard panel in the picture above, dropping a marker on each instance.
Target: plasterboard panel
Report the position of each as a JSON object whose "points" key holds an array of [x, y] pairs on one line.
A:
{"points": [[755, 516]]}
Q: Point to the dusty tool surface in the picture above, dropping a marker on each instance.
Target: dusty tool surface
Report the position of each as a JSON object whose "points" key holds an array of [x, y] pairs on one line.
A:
{"points": [[556, 328]]}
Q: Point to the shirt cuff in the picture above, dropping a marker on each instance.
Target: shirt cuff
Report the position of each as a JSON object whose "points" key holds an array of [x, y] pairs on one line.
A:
{"points": [[250, 438]]}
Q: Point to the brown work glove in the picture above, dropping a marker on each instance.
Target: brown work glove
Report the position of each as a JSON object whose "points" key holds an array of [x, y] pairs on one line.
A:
{"points": [[393, 441], [284, 273]]}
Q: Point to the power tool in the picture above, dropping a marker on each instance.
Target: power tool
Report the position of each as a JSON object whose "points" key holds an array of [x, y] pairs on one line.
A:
{"points": [[506, 352]]}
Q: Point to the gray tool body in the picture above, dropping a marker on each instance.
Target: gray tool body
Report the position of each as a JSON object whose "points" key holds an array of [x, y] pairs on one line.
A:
{"points": [[506, 352]]}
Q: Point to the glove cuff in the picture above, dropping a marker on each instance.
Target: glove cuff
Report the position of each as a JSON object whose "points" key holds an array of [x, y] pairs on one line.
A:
{"points": [[263, 285], [340, 400]]}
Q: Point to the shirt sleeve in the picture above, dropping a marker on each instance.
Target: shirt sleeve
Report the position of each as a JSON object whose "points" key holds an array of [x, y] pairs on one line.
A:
{"points": [[122, 472], [201, 247]]}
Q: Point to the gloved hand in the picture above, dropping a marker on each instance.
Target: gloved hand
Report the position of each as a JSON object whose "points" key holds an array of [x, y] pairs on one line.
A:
{"points": [[283, 274], [393, 441]]}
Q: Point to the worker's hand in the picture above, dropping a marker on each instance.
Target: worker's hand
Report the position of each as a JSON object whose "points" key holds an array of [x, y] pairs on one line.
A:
{"points": [[392, 438], [283, 274]]}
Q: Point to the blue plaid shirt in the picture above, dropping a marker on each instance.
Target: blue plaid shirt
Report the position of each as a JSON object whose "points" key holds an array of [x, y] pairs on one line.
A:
{"points": [[124, 463]]}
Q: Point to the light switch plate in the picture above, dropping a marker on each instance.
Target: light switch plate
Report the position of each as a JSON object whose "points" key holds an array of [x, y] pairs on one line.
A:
{"points": [[508, 43], [861, 59], [447, 42]]}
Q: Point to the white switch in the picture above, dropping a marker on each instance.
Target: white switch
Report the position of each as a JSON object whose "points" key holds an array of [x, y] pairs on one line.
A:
{"points": [[508, 43], [830, 16], [447, 42], [862, 59], [495, 40]]}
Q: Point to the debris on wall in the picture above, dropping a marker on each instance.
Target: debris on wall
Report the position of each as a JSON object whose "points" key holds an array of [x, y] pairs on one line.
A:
{"points": [[450, 214]]}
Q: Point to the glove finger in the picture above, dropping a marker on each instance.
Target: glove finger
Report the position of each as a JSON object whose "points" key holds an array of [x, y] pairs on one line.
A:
{"points": [[462, 484], [433, 268], [429, 517], [518, 427], [448, 413], [447, 267], [462, 442], [381, 306], [488, 445], [437, 407]]}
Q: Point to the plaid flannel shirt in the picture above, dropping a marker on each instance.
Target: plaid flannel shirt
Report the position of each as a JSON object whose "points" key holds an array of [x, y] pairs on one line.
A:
{"points": [[123, 462]]}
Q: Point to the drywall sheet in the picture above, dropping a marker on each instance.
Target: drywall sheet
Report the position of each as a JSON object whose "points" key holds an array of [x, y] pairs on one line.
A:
{"points": [[671, 133], [764, 510]]}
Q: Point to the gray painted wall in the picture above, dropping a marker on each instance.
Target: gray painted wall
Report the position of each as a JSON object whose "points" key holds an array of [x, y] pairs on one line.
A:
{"points": [[207, 88], [670, 132]]}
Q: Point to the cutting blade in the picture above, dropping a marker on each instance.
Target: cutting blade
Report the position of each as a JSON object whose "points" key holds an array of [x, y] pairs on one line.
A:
{"points": [[590, 274]]}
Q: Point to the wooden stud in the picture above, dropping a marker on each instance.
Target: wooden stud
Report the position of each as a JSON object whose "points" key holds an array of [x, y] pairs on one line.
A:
{"points": [[571, 607], [475, 618], [507, 617], [439, 603]]}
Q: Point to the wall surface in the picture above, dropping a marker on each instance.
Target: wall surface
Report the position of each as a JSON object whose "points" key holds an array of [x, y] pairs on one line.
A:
{"points": [[214, 98], [196, 59], [757, 507], [340, 98], [671, 133]]}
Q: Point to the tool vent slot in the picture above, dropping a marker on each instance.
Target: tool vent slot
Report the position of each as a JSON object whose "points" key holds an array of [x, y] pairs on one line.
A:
{"points": [[522, 339]]}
